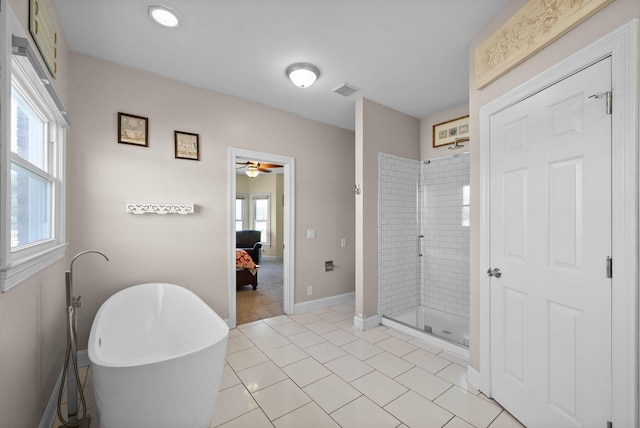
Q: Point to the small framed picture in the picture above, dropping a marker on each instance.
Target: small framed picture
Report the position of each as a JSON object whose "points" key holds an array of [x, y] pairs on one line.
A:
{"points": [[133, 129], [187, 145], [446, 133]]}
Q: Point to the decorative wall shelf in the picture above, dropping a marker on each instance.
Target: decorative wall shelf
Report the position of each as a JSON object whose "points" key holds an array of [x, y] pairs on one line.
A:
{"points": [[151, 208]]}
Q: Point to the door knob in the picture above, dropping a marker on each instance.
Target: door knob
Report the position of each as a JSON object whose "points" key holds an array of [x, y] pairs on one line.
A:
{"points": [[494, 272]]}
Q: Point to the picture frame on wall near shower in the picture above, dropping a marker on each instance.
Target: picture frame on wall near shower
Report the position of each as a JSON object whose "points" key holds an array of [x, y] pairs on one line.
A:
{"points": [[187, 145], [133, 129], [446, 133]]}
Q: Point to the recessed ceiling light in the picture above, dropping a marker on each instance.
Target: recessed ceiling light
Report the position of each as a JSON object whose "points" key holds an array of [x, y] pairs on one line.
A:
{"points": [[163, 15], [302, 74]]}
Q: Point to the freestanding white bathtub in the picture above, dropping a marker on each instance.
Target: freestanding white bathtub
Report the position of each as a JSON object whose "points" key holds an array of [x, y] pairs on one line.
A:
{"points": [[156, 355]]}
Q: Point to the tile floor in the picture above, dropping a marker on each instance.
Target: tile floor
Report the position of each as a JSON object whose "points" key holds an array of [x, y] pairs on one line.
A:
{"points": [[313, 370]]}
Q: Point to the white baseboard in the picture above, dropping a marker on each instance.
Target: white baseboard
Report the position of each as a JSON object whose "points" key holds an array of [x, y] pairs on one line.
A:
{"points": [[473, 377], [324, 302], [364, 324], [51, 411]]}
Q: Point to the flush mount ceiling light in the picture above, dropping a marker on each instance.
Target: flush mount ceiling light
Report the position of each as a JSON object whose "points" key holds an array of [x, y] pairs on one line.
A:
{"points": [[302, 74], [163, 15]]}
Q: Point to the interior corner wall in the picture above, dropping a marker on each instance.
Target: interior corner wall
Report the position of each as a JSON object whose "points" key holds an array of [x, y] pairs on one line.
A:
{"points": [[193, 250], [379, 129], [608, 19], [32, 314], [427, 151]]}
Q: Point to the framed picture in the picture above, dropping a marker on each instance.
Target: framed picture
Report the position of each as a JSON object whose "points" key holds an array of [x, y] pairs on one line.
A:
{"points": [[187, 145], [133, 129], [445, 133]]}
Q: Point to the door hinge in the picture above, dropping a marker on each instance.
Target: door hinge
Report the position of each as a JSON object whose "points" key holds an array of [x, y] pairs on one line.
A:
{"points": [[608, 96], [609, 267]]}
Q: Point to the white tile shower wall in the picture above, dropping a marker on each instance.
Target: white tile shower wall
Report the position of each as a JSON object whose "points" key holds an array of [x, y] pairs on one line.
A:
{"points": [[445, 264], [398, 264]]}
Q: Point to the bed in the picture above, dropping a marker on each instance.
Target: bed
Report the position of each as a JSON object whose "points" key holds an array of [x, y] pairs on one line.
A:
{"points": [[246, 270]]}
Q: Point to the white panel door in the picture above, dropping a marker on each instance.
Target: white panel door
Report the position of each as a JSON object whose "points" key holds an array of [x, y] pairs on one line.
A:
{"points": [[550, 237]]}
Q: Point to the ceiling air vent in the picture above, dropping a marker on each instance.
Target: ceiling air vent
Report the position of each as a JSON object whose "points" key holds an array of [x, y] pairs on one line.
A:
{"points": [[346, 89]]}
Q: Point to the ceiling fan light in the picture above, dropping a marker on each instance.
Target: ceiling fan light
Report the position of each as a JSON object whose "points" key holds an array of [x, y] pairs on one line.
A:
{"points": [[252, 172], [302, 74], [164, 16]]}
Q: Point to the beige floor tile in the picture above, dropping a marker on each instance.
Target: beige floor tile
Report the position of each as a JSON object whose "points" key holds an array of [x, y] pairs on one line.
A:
{"points": [[379, 388], [281, 398], [325, 352], [229, 378], [400, 335], [331, 393], [458, 423], [261, 376], [457, 375], [426, 360], [453, 358], [290, 328], [256, 330], [506, 420], [234, 333], [238, 343], [308, 416], [333, 317], [426, 346], [362, 349], [389, 364], [279, 320], [467, 406], [363, 412], [270, 341], [254, 419], [340, 337], [416, 411], [372, 336], [346, 325], [321, 327], [306, 371], [345, 308], [232, 403], [247, 358], [424, 383], [349, 367], [305, 318], [397, 347], [321, 310], [306, 339], [250, 324], [286, 355]]}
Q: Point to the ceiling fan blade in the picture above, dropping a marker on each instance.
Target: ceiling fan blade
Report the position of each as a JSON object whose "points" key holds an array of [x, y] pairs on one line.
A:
{"points": [[260, 168], [269, 165]]}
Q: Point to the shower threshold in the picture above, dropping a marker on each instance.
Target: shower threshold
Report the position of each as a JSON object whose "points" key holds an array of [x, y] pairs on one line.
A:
{"points": [[444, 330]]}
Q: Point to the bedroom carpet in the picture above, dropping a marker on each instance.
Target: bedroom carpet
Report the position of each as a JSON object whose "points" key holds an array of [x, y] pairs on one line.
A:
{"points": [[266, 301]]}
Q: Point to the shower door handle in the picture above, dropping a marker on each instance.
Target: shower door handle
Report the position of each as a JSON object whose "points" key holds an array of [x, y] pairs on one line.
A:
{"points": [[494, 272]]}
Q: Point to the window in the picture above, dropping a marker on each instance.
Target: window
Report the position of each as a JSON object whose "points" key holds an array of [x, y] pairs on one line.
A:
{"points": [[33, 167], [261, 217], [466, 201], [242, 219]]}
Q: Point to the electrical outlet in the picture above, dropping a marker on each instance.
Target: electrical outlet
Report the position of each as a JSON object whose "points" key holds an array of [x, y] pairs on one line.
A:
{"points": [[343, 243], [311, 233], [328, 266], [309, 290]]}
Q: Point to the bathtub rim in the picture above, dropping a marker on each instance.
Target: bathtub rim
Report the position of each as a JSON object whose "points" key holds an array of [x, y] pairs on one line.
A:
{"points": [[92, 345]]}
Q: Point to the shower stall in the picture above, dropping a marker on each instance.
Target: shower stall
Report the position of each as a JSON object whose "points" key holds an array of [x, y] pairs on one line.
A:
{"points": [[423, 246]]}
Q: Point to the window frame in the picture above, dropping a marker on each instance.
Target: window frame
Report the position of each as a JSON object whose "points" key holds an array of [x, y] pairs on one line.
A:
{"points": [[18, 264], [245, 210], [262, 196]]}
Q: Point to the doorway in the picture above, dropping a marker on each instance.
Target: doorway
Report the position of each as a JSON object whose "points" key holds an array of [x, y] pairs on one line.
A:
{"points": [[276, 263], [564, 341]]}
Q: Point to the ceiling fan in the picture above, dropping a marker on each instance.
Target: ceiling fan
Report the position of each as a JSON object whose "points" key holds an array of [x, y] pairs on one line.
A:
{"points": [[254, 168]]}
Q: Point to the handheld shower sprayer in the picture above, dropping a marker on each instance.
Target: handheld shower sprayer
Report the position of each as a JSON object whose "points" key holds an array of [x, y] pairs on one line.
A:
{"points": [[70, 369]]}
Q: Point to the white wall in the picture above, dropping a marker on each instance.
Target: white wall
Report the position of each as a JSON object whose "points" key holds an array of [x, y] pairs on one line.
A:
{"points": [[192, 250]]}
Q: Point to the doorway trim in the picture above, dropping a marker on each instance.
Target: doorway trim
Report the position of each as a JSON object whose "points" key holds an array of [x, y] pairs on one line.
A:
{"points": [[288, 271], [622, 46]]}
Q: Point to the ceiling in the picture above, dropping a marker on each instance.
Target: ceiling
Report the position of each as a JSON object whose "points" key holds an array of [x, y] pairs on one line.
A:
{"points": [[410, 55]]}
